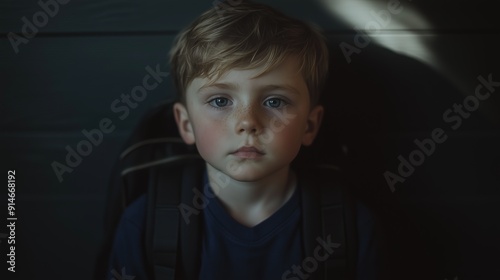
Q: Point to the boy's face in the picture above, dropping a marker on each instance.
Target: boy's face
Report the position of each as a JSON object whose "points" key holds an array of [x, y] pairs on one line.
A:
{"points": [[249, 128]]}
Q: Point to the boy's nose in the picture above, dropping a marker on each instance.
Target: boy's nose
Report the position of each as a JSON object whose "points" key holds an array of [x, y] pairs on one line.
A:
{"points": [[248, 122]]}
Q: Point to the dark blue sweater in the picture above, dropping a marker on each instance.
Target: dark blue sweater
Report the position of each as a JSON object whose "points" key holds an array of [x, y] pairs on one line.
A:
{"points": [[233, 251]]}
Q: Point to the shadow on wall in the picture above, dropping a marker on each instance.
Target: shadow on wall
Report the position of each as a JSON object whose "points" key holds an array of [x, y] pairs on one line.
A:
{"points": [[419, 148]]}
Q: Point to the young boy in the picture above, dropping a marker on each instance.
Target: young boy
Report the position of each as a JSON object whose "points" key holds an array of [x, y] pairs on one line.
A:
{"points": [[249, 80]]}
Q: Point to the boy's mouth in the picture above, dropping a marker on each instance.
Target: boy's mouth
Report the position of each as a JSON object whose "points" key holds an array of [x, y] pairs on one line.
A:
{"points": [[248, 152]]}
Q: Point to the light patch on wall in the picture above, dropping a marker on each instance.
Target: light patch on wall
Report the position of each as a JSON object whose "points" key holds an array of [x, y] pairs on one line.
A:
{"points": [[390, 23]]}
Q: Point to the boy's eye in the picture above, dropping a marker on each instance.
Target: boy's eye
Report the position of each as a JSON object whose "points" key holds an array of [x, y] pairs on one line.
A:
{"points": [[275, 103], [220, 102]]}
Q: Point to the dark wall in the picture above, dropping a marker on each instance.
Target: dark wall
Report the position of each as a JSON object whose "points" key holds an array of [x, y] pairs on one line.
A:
{"points": [[441, 222]]}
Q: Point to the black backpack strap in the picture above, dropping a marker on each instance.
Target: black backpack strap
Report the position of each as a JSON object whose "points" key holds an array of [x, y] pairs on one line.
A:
{"points": [[338, 220], [311, 216], [331, 222], [191, 226], [166, 182]]}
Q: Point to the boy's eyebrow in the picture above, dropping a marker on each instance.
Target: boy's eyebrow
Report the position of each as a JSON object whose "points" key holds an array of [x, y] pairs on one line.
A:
{"points": [[284, 87], [231, 86], [219, 85]]}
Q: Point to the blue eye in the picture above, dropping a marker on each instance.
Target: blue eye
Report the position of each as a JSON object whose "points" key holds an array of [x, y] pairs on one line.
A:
{"points": [[220, 102], [275, 102]]}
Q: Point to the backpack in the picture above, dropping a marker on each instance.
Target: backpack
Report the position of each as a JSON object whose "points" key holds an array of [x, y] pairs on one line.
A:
{"points": [[157, 162]]}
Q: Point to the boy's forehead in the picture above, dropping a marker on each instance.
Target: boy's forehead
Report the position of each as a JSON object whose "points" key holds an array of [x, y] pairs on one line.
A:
{"points": [[285, 75]]}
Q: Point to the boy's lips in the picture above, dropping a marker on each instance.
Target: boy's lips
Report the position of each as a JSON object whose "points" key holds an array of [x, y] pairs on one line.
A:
{"points": [[248, 152]]}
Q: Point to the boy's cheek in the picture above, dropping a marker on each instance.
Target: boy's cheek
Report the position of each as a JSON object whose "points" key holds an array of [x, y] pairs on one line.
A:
{"points": [[208, 139], [204, 149], [289, 140]]}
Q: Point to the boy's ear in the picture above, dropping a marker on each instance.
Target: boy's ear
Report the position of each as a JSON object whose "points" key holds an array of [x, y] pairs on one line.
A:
{"points": [[183, 123], [313, 124]]}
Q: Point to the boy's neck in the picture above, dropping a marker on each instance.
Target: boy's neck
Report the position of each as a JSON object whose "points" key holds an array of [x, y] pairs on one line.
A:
{"points": [[250, 203]]}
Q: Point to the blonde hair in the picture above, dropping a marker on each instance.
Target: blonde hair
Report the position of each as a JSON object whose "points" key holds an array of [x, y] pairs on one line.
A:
{"points": [[247, 35]]}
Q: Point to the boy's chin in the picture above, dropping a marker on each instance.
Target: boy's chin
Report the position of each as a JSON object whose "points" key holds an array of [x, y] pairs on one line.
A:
{"points": [[244, 172]]}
